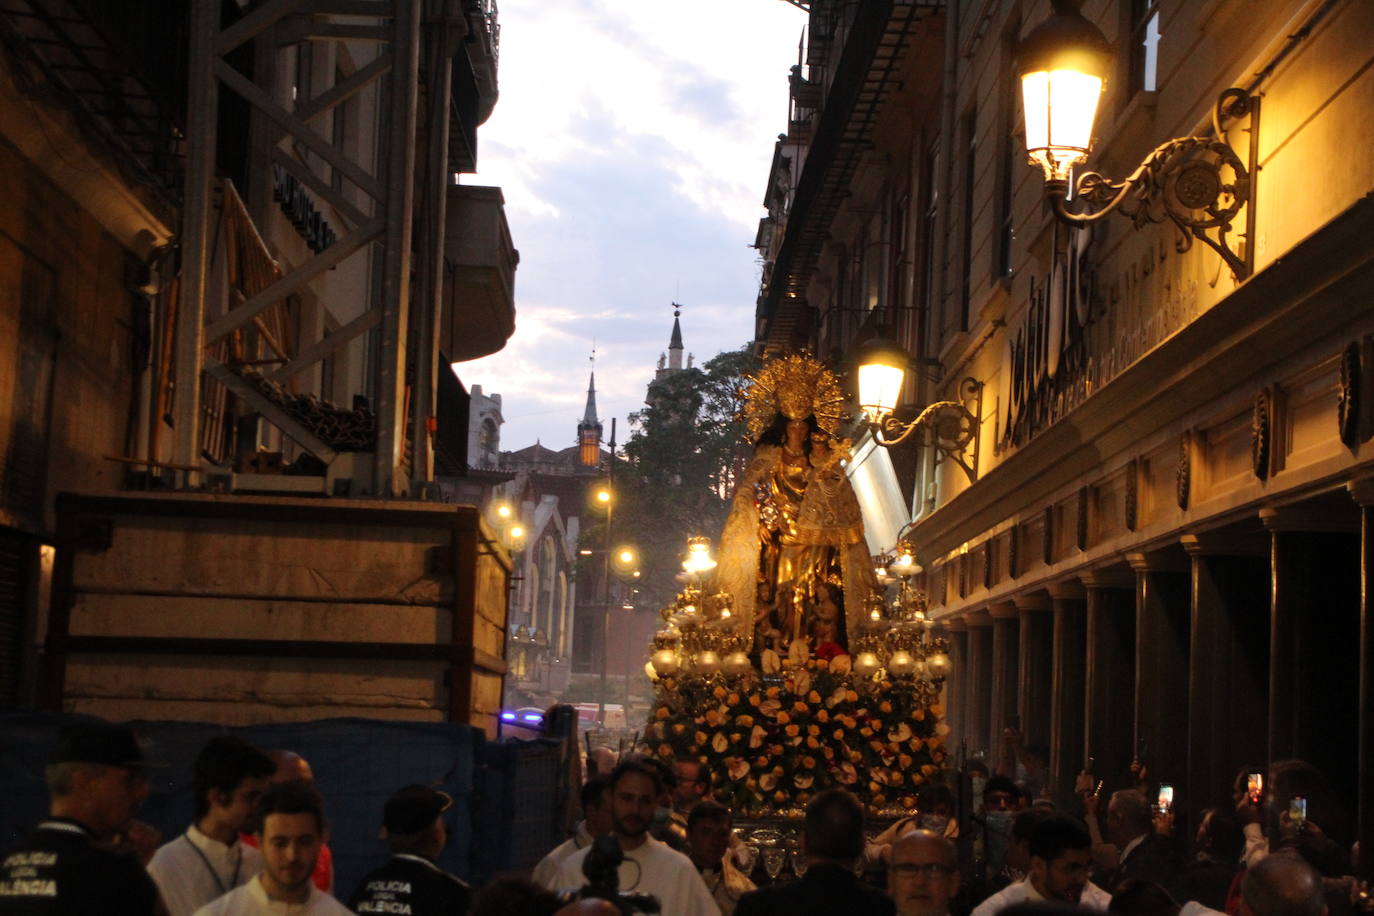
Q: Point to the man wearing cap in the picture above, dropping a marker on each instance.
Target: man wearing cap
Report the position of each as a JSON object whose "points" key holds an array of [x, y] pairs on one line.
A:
{"points": [[96, 783], [411, 884], [208, 859]]}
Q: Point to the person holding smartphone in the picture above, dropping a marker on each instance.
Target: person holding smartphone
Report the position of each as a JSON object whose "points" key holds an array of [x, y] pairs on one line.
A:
{"points": [[1145, 854]]}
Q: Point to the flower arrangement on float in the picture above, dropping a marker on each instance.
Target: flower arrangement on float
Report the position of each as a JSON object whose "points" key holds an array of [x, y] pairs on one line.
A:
{"points": [[775, 728]]}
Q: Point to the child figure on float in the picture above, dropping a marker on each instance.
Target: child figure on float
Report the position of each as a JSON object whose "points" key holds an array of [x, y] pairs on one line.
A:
{"points": [[794, 533]]}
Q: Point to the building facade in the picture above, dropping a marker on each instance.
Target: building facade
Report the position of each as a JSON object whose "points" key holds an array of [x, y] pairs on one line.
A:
{"points": [[237, 261], [1155, 542]]}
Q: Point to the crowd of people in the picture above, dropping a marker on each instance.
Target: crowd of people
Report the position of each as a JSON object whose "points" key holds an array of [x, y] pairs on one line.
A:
{"points": [[653, 839]]}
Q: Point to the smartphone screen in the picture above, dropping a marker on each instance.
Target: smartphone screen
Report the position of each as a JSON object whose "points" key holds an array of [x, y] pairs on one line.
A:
{"points": [[1255, 787], [1297, 810], [1166, 798]]}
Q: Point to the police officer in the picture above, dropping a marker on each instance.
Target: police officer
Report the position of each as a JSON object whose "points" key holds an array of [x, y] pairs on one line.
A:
{"points": [[78, 861], [411, 884]]}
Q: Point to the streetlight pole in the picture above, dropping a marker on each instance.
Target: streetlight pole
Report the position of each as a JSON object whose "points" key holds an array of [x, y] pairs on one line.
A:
{"points": [[606, 583]]}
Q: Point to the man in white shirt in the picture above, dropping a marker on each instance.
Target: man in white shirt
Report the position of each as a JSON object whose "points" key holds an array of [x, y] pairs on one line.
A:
{"points": [[596, 821], [1060, 860], [650, 867], [291, 828], [208, 860]]}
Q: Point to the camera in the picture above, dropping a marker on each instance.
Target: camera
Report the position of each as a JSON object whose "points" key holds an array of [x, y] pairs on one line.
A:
{"points": [[602, 870]]}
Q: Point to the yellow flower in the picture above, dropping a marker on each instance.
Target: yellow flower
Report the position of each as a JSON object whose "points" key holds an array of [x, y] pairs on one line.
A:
{"points": [[779, 797], [822, 716], [662, 712], [772, 693], [679, 728], [904, 760], [799, 706], [760, 761], [918, 714], [828, 752], [777, 771], [733, 699], [745, 721], [753, 699], [665, 751], [875, 744], [719, 692], [852, 696], [936, 709], [883, 707], [783, 718], [736, 737], [813, 697], [813, 729], [822, 664], [751, 783], [776, 750], [792, 731], [927, 769], [712, 717], [812, 743], [809, 762], [838, 734], [866, 732], [908, 802]]}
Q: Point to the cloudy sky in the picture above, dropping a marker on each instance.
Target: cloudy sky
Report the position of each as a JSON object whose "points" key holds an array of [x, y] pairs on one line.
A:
{"points": [[632, 141]]}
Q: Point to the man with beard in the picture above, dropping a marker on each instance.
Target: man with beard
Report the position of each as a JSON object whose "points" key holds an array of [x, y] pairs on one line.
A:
{"points": [[1059, 864], [922, 874], [290, 832], [650, 867]]}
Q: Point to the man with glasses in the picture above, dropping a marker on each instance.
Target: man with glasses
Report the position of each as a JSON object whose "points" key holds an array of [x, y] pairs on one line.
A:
{"points": [[82, 859], [922, 874], [1059, 864]]}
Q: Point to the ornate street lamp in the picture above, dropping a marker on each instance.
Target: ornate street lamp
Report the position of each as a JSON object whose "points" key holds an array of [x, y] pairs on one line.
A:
{"points": [[949, 425], [1197, 183]]}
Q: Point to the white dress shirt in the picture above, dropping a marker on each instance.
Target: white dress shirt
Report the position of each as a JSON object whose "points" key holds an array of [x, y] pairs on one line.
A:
{"points": [[194, 869]]}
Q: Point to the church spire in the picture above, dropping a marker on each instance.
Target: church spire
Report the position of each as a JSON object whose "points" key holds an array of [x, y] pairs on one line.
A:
{"points": [[675, 342], [589, 430]]}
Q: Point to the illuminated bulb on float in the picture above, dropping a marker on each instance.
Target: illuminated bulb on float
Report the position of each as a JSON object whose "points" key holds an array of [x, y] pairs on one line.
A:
{"points": [[866, 664], [938, 665], [901, 663], [665, 662], [708, 662], [737, 663]]}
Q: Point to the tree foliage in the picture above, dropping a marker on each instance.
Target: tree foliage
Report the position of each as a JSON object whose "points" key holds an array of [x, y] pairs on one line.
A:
{"points": [[677, 477]]}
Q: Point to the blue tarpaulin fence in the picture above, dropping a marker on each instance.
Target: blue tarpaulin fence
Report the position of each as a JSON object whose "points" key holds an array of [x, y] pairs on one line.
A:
{"points": [[505, 812]]}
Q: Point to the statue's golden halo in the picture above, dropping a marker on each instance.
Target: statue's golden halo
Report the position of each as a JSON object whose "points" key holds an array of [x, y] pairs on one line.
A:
{"points": [[796, 386]]}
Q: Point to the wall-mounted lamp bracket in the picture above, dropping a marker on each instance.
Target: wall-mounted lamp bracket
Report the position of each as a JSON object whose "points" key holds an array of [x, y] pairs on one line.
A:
{"points": [[1200, 184]]}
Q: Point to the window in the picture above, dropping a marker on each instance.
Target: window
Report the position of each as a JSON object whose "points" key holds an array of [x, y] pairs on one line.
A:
{"points": [[970, 173], [1144, 46], [1010, 152], [929, 225]]}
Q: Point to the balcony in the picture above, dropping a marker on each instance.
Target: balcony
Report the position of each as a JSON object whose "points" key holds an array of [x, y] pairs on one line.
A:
{"points": [[479, 274]]}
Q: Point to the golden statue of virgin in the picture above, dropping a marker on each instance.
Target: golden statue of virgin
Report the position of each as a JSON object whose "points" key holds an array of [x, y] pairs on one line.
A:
{"points": [[792, 554]]}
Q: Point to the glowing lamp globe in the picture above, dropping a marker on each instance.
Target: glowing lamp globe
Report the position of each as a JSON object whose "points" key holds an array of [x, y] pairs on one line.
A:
{"points": [[665, 662], [708, 662], [737, 663], [882, 370], [938, 665], [1063, 63], [901, 663], [866, 664]]}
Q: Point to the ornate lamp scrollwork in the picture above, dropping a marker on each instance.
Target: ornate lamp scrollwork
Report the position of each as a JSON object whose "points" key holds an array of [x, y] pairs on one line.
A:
{"points": [[1261, 433], [1199, 184], [1185, 467], [1348, 405]]}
